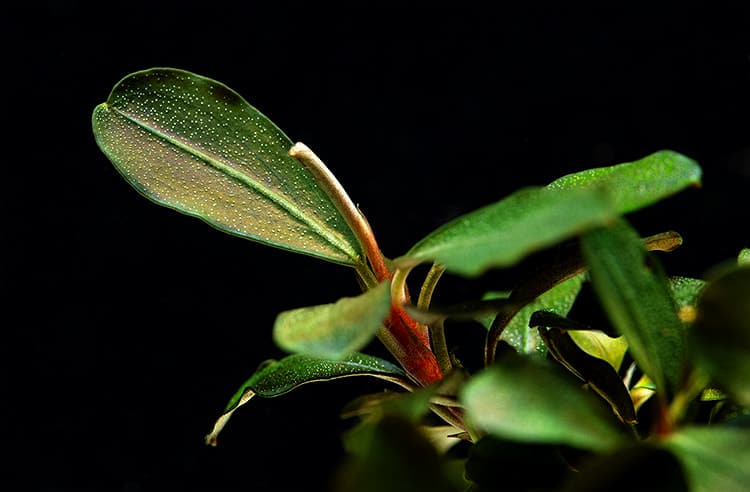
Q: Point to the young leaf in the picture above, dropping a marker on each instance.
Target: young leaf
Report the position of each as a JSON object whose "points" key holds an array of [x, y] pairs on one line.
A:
{"points": [[502, 233], [276, 378], [685, 292], [720, 337], [600, 345], [638, 184], [744, 257], [636, 297], [714, 457], [526, 399], [193, 144], [334, 330]]}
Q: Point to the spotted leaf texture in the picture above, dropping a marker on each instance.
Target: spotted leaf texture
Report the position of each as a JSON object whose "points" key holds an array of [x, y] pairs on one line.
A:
{"points": [[193, 144]]}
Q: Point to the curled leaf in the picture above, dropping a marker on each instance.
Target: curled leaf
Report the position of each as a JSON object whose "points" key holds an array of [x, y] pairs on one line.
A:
{"points": [[276, 378]]}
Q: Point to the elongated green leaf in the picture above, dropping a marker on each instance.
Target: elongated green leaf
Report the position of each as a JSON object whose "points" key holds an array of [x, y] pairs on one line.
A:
{"points": [[502, 233], [559, 299], [334, 330], [720, 337], [193, 144], [525, 399], [714, 458], [635, 295], [275, 378], [638, 184]]}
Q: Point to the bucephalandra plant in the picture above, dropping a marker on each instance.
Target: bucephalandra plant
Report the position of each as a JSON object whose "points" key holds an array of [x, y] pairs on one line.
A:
{"points": [[656, 395]]}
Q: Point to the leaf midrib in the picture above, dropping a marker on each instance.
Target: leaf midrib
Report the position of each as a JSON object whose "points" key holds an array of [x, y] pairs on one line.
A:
{"points": [[233, 173]]}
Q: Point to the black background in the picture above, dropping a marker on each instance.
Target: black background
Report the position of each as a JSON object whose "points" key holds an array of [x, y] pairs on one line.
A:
{"points": [[128, 326]]}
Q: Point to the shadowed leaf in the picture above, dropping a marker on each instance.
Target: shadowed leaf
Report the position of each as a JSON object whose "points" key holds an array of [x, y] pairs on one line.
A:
{"points": [[714, 457], [720, 337], [559, 299], [391, 454], [597, 373]]}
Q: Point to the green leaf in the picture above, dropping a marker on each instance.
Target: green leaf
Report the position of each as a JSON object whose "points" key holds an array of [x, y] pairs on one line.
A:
{"points": [[392, 454], [637, 467], [600, 345], [526, 399], [489, 454], [334, 330], [559, 299], [744, 257], [635, 295], [638, 184], [685, 292], [275, 378], [720, 337], [597, 373], [714, 457], [194, 145], [502, 233]]}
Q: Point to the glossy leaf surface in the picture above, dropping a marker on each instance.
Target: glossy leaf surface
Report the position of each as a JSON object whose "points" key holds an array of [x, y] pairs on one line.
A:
{"points": [[502, 233], [638, 184], [193, 144], [525, 399], [637, 299], [334, 330], [276, 378]]}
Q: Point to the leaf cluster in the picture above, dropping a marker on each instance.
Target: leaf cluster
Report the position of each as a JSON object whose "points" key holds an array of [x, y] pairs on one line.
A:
{"points": [[654, 394]]}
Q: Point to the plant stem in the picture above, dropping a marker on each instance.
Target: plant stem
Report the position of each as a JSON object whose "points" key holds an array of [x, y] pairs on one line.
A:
{"points": [[399, 297], [403, 337], [437, 330], [353, 217]]}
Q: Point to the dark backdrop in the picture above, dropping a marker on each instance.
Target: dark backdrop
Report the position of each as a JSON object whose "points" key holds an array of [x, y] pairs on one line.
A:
{"points": [[128, 326]]}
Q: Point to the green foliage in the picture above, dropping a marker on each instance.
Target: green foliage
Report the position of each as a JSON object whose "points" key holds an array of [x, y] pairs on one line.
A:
{"points": [[521, 399], [334, 330], [517, 333], [636, 296], [655, 395], [503, 233], [195, 145]]}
